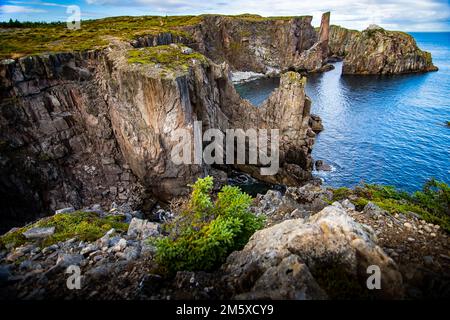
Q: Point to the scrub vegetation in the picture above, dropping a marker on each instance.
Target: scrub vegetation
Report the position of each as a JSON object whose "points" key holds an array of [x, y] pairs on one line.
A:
{"points": [[432, 203], [207, 231]]}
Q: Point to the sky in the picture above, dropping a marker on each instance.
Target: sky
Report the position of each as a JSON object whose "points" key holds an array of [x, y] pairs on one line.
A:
{"points": [[404, 15]]}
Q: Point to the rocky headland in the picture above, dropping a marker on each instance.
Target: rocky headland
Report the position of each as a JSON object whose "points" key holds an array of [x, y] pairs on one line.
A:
{"points": [[93, 122], [378, 51]]}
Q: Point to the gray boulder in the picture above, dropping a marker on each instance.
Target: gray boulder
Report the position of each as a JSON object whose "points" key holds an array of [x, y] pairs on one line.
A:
{"points": [[287, 260], [39, 233], [142, 229]]}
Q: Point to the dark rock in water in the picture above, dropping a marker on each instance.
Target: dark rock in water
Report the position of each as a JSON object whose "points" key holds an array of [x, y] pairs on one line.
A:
{"points": [[327, 67], [378, 51], [315, 122], [322, 166]]}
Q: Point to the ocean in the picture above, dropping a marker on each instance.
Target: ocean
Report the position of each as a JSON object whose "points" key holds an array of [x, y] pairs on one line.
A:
{"points": [[380, 129]]}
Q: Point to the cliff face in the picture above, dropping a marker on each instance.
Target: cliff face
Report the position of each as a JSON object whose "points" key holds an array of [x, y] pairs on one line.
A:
{"points": [[57, 143], [97, 127], [78, 129], [377, 51], [148, 102], [259, 45]]}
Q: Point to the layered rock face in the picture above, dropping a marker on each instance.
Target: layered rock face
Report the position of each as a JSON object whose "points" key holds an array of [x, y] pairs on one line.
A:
{"points": [[378, 51], [94, 128], [57, 143], [261, 44], [149, 103]]}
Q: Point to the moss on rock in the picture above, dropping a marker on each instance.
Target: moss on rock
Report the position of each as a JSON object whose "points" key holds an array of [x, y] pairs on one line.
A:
{"points": [[168, 57], [86, 226]]}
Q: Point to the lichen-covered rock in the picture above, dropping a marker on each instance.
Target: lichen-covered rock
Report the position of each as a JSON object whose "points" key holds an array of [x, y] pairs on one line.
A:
{"points": [[327, 255], [378, 51]]}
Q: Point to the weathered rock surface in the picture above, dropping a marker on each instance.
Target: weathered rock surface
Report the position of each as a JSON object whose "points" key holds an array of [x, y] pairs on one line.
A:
{"points": [[262, 45], [39, 233], [318, 256], [57, 144], [378, 51], [295, 259], [297, 202], [105, 128]]}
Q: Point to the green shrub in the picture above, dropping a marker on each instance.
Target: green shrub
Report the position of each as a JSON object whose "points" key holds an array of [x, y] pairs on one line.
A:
{"points": [[435, 198], [432, 203], [207, 231]]}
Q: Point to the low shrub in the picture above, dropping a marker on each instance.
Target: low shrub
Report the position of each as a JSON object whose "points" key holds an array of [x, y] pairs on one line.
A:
{"points": [[207, 231], [432, 203]]}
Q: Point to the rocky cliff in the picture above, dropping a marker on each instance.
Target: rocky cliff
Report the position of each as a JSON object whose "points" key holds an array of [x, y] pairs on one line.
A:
{"points": [[99, 127], [378, 51], [265, 45], [57, 143]]}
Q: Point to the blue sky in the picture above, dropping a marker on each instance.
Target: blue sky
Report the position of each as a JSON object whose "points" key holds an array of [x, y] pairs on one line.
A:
{"points": [[406, 15]]}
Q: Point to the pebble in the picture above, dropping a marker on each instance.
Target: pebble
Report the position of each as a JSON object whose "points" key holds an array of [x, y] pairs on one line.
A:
{"points": [[411, 239], [408, 225], [394, 254], [428, 260]]}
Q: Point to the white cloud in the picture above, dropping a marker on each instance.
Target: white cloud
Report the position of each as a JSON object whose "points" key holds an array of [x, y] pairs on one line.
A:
{"points": [[39, 3], [358, 14], [8, 9]]}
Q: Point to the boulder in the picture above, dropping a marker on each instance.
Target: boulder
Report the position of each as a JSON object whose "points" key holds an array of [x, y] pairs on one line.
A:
{"points": [[374, 211], [65, 210], [346, 203], [39, 233], [295, 259], [322, 166], [142, 229]]}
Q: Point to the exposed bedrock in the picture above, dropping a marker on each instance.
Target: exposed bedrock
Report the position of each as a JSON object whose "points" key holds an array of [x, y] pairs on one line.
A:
{"points": [[261, 45], [78, 129], [324, 256], [57, 143], [378, 51], [148, 104]]}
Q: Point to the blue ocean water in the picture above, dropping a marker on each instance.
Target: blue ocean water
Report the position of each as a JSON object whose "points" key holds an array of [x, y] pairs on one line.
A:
{"points": [[380, 129]]}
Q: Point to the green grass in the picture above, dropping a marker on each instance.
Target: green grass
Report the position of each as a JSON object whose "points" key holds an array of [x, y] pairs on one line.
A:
{"points": [[93, 34], [168, 57], [35, 38], [432, 203], [86, 226]]}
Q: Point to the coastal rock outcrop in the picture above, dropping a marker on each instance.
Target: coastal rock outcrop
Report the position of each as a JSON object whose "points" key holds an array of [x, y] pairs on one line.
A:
{"points": [[56, 139], [297, 259], [160, 98], [378, 51], [263, 45], [98, 127]]}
